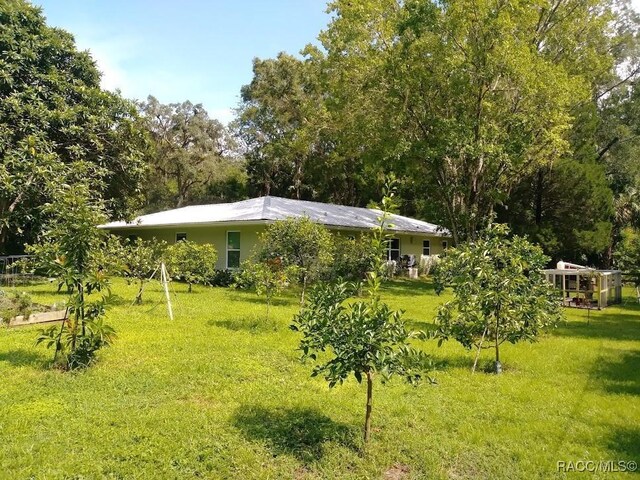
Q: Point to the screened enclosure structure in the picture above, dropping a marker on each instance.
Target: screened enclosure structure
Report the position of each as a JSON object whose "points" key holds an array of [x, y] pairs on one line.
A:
{"points": [[585, 287]]}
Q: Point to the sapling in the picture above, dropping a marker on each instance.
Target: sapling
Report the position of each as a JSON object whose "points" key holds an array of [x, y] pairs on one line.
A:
{"points": [[500, 293], [363, 338]]}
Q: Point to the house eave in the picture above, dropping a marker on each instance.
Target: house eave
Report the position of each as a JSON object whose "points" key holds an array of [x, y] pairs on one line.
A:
{"points": [[237, 223]]}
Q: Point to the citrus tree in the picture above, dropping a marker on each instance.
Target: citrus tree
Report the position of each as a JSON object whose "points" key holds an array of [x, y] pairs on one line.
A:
{"points": [[141, 259], [268, 278], [500, 293], [365, 337], [192, 262], [298, 242]]}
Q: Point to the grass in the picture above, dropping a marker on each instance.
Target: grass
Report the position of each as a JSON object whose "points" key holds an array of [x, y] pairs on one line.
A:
{"points": [[219, 393]]}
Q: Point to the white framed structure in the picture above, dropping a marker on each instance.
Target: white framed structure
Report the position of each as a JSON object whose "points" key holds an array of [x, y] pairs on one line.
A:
{"points": [[585, 287]]}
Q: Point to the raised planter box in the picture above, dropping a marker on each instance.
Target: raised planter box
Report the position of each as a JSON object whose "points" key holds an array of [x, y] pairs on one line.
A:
{"points": [[40, 317]]}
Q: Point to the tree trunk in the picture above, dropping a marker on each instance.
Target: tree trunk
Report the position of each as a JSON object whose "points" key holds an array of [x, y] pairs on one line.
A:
{"points": [[367, 418], [539, 193], [268, 305], [475, 362], [139, 295], [304, 287], [498, 364], [190, 288]]}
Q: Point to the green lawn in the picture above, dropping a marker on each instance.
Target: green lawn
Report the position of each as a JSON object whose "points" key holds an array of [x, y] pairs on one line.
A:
{"points": [[218, 393]]}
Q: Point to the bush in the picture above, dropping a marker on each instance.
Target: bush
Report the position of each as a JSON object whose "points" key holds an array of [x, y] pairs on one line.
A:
{"points": [[223, 278], [141, 259], [14, 305], [71, 250], [298, 242], [268, 278], [352, 258], [192, 262]]}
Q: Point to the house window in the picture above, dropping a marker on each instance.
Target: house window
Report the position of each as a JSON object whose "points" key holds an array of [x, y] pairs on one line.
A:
{"points": [[180, 236], [393, 249], [445, 244], [426, 247], [233, 249]]}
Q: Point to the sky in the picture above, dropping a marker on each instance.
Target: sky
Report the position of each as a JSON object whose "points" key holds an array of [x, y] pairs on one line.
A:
{"points": [[197, 50]]}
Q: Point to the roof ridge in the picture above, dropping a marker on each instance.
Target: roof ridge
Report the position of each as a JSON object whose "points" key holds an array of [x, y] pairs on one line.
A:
{"points": [[266, 204]]}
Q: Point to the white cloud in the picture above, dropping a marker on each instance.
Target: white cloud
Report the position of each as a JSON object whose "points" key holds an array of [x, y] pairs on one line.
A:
{"points": [[126, 64]]}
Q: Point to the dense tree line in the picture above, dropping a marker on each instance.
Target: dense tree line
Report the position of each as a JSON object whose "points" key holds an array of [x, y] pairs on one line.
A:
{"points": [[482, 108]]}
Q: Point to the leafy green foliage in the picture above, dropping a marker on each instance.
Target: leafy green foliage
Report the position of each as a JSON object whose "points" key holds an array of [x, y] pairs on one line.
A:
{"points": [[192, 262], [363, 337], [141, 259], [12, 305], [269, 277], [57, 126], [297, 242], [567, 208], [228, 382], [628, 257], [190, 158], [70, 250], [500, 293], [353, 257]]}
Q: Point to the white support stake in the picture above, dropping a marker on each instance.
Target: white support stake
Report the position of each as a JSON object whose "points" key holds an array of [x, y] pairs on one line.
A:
{"points": [[165, 285]]}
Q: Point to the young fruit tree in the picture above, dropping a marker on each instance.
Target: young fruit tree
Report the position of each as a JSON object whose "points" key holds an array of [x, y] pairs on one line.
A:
{"points": [[500, 293], [141, 260], [268, 278], [301, 243], [363, 337], [192, 262], [77, 243]]}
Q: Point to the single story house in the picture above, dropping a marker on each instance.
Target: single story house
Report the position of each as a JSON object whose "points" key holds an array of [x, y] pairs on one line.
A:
{"points": [[233, 228]]}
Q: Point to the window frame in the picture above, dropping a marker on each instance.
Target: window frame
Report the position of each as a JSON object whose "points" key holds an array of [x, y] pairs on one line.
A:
{"points": [[389, 249], [427, 248], [227, 249], [445, 244], [184, 239]]}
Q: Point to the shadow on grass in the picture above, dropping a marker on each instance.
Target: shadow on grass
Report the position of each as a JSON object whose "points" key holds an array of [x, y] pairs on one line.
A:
{"points": [[406, 287], [613, 325], [619, 375], [253, 298], [300, 432], [23, 358], [625, 442], [255, 324], [447, 363], [424, 325]]}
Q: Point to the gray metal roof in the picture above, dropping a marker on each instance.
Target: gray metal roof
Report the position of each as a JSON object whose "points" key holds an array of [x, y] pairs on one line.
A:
{"points": [[268, 209]]}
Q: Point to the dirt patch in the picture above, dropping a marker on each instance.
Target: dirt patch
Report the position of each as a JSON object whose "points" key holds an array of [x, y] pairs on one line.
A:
{"points": [[397, 472]]}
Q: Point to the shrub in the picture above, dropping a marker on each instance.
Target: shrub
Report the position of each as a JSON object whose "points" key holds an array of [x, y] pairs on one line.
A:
{"points": [[13, 305], [352, 257], [363, 338], [141, 259], [223, 278], [298, 242], [268, 278], [192, 262]]}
